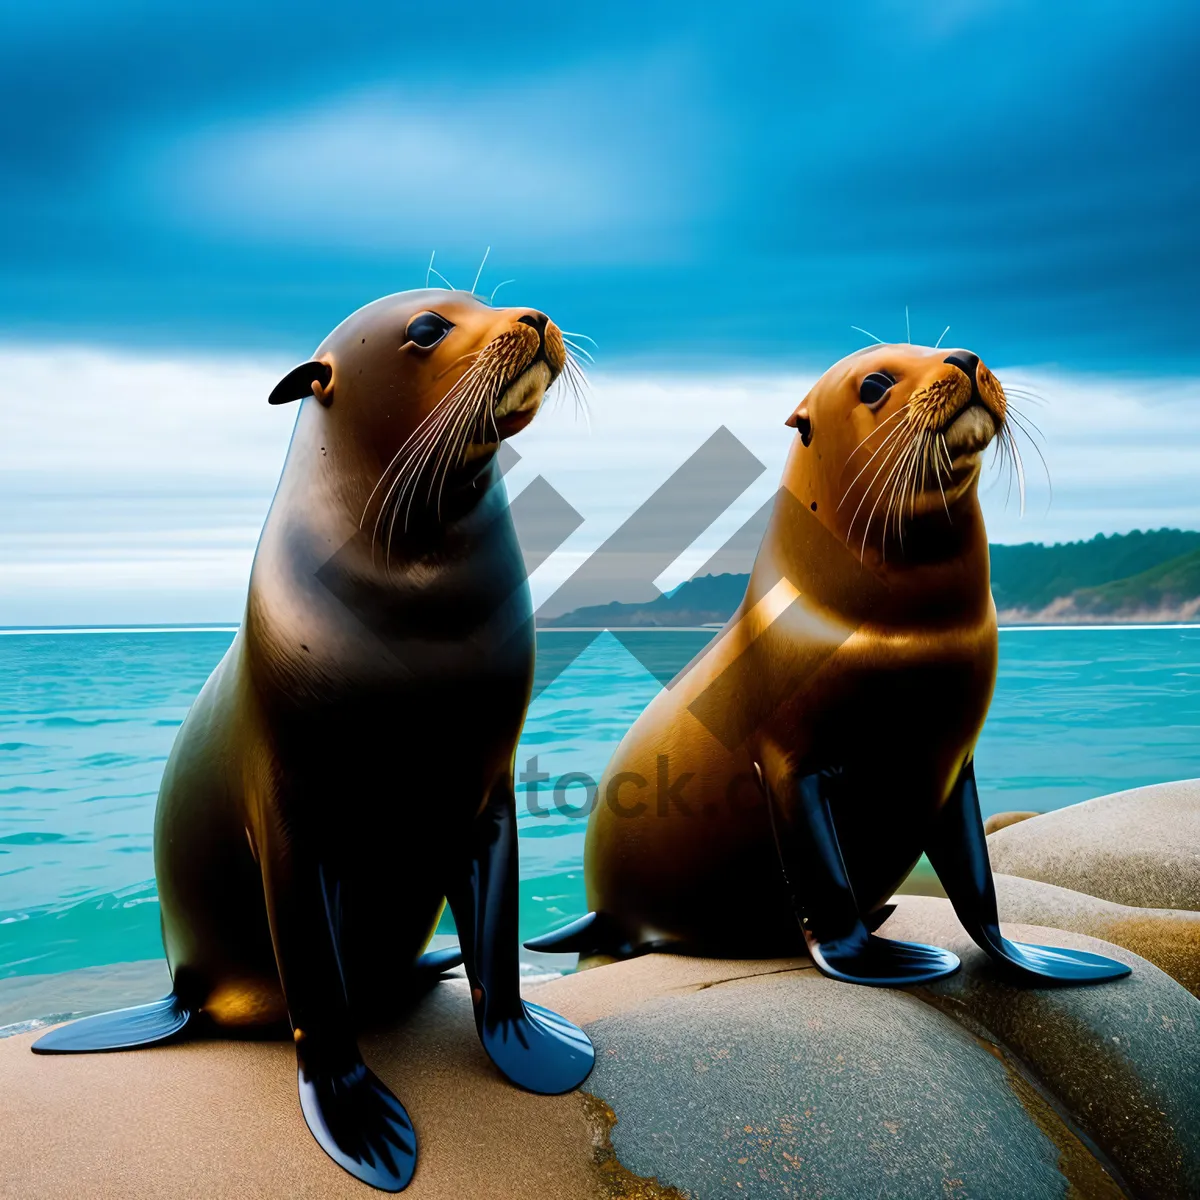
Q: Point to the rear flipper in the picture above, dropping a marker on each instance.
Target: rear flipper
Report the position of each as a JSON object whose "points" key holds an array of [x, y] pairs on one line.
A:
{"points": [[594, 933], [839, 941], [958, 853], [535, 1048], [429, 968], [127, 1029]]}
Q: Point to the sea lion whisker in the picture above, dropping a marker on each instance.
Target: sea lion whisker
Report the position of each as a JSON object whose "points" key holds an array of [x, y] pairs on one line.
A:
{"points": [[892, 434], [455, 444], [1019, 465], [860, 329], [941, 437], [421, 446], [894, 442], [1036, 449], [1000, 462], [905, 447], [432, 421], [410, 485], [895, 445], [439, 455], [575, 378], [471, 354], [1027, 424], [480, 271], [473, 402], [404, 483], [890, 489], [909, 482], [905, 482], [502, 283], [1025, 394], [416, 435], [574, 369], [577, 349], [942, 335], [570, 333], [882, 425]]}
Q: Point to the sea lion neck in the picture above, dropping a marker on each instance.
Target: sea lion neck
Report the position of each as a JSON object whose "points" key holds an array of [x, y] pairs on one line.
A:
{"points": [[346, 476], [939, 575]]}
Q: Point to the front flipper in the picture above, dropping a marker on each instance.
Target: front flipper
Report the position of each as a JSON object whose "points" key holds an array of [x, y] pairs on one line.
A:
{"points": [[958, 853], [823, 899], [126, 1029], [535, 1048], [355, 1119]]}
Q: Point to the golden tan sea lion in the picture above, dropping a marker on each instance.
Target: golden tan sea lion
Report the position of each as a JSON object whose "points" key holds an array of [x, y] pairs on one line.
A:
{"points": [[349, 763], [792, 775]]}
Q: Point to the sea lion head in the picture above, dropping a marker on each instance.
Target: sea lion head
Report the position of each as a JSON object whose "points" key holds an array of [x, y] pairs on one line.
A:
{"points": [[415, 391], [892, 435]]}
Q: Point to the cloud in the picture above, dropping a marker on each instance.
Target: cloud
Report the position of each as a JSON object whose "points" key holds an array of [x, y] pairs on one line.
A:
{"points": [[683, 185], [542, 165], [133, 487]]}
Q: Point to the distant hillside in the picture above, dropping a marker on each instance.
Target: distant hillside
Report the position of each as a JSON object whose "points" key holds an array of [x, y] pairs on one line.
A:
{"points": [[1033, 576], [703, 601], [1169, 591], [1153, 576]]}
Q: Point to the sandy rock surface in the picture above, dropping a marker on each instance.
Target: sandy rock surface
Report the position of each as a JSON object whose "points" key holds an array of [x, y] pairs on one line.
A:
{"points": [[714, 1078]]}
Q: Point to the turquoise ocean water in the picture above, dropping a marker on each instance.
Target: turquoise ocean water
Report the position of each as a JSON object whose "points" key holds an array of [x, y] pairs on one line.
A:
{"points": [[87, 721]]}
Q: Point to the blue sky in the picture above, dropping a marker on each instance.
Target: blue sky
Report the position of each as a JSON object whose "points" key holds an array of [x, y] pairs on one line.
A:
{"points": [[685, 181], [192, 196]]}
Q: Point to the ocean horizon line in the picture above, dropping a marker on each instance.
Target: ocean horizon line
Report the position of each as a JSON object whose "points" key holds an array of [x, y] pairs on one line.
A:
{"points": [[74, 630]]}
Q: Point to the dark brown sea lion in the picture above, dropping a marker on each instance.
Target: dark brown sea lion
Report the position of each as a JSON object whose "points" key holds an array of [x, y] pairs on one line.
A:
{"points": [[349, 764], [789, 779]]}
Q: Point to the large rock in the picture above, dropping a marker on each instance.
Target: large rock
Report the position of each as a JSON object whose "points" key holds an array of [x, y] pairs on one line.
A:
{"points": [[713, 1079], [1167, 937], [1139, 848]]}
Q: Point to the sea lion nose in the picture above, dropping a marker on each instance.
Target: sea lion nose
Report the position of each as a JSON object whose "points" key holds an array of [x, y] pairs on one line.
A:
{"points": [[536, 320], [966, 362]]}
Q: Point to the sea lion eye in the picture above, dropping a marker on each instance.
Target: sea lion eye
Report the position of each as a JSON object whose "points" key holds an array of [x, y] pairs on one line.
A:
{"points": [[873, 389], [427, 329]]}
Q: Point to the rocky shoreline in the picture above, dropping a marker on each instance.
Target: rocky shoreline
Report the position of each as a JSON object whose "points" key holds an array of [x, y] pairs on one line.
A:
{"points": [[719, 1078]]}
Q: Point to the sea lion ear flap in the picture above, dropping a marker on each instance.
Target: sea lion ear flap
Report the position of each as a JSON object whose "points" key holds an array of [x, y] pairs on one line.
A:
{"points": [[799, 420], [308, 379]]}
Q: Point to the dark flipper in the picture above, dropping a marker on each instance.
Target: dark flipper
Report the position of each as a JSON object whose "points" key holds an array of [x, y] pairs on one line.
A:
{"points": [[358, 1122], [147, 1025], [535, 1048], [838, 940], [593, 933], [437, 962], [958, 853], [354, 1117]]}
